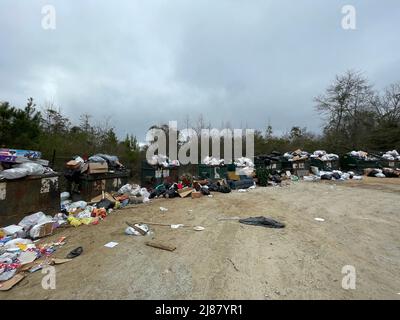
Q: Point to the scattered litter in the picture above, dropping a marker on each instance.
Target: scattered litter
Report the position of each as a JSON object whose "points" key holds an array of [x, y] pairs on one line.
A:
{"points": [[27, 257], [111, 244], [137, 229], [198, 228], [263, 222], [176, 226], [13, 229], [236, 268], [55, 261], [319, 219], [7, 285], [163, 209], [75, 253]]}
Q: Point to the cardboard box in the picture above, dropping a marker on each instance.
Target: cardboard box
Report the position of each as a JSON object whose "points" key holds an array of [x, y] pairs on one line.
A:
{"points": [[46, 230], [185, 192], [73, 164], [95, 167], [196, 194]]}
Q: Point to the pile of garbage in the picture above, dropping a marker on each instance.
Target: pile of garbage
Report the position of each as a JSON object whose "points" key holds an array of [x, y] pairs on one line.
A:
{"points": [[296, 155], [163, 161], [244, 167], [391, 155], [91, 213], [98, 163], [382, 173], [336, 175], [212, 161], [324, 156], [16, 164], [19, 254], [362, 155]]}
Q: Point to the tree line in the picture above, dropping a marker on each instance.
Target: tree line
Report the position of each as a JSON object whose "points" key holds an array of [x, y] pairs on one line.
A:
{"points": [[355, 117]]}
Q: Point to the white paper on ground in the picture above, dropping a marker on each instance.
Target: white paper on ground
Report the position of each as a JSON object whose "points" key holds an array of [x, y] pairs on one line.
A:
{"points": [[319, 219], [111, 244]]}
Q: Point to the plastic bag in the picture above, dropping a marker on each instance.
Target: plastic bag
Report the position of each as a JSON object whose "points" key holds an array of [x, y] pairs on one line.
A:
{"points": [[96, 159], [145, 194], [14, 173], [76, 205], [64, 196], [31, 220], [34, 169]]}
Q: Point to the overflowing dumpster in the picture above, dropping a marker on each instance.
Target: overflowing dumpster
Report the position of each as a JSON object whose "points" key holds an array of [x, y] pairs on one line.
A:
{"points": [[327, 165], [27, 195], [357, 161], [390, 159], [271, 162], [153, 175], [91, 185], [393, 164], [212, 172]]}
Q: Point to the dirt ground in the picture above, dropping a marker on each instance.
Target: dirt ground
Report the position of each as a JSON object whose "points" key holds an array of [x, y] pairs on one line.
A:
{"points": [[229, 260]]}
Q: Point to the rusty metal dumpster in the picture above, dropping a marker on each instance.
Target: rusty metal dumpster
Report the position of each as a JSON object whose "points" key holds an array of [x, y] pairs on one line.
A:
{"points": [[21, 197], [92, 185]]}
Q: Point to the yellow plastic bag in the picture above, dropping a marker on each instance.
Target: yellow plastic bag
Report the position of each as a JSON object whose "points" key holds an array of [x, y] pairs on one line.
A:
{"points": [[86, 221], [74, 221]]}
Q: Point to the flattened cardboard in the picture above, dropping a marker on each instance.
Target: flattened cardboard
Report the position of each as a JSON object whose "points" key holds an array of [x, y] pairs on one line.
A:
{"points": [[7, 285]]}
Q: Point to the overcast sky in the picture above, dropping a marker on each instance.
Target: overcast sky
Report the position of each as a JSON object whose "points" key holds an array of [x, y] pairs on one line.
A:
{"points": [[246, 62]]}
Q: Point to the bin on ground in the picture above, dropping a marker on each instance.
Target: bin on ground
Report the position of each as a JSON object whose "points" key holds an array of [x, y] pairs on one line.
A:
{"points": [[92, 185], [393, 164], [350, 163], [212, 172], [328, 165], [152, 176], [300, 168], [28, 195]]}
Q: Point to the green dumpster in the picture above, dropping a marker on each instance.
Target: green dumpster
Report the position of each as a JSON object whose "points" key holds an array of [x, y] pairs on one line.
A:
{"points": [[350, 163], [212, 172], [328, 165]]}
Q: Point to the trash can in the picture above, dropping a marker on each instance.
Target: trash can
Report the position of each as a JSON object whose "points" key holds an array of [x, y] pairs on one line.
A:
{"points": [[152, 176], [393, 164], [301, 168], [285, 164], [92, 185], [212, 172], [328, 165], [350, 163], [28, 195], [268, 162]]}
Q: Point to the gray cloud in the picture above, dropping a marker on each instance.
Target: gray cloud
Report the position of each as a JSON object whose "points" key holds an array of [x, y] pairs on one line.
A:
{"points": [[146, 62]]}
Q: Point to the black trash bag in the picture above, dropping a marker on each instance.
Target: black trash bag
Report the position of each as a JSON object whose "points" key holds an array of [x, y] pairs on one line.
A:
{"points": [[170, 193], [276, 178], [105, 203], [326, 177], [373, 173], [263, 222], [336, 175], [213, 187], [153, 194], [205, 191], [224, 189]]}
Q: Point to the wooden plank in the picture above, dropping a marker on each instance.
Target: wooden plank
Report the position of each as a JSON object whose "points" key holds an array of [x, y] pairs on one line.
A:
{"points": [[161, 246]]}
